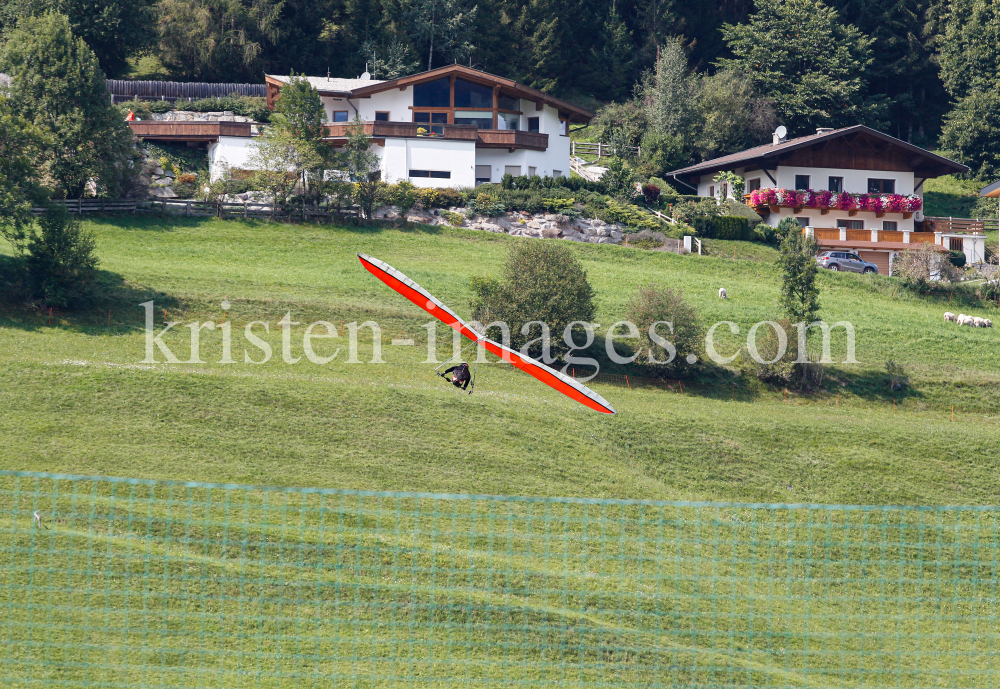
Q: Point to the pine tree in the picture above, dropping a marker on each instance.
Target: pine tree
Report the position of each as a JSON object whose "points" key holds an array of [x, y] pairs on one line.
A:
{"points": [[114, 29], [57, 84], [970, 47], [218, 40], [613, 79], [19, 188], [443, 26], [808, 61]]}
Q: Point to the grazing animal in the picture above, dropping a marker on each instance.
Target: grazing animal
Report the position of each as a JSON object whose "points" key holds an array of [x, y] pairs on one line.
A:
{"points": [[987, 323], [722, 293], [978, 322], [964, 320], [949, 316]]}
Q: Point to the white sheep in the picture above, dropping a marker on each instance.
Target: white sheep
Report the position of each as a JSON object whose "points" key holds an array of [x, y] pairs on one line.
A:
{"points": [[978, 322], [987, 323], [949, 316], [964, 320], [722, 293]]}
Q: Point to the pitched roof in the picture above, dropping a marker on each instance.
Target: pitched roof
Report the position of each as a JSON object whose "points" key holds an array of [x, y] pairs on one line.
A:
{"points": [[360, 88], [991, 190], [327, 85], [770, 153]]}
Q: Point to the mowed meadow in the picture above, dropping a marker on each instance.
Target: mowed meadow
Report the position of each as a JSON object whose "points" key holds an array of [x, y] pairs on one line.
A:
{"points": [[134, 584], [77, 399]]}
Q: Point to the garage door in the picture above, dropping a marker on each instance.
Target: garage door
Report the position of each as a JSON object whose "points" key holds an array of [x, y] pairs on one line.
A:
{"points": [[879, 258]]}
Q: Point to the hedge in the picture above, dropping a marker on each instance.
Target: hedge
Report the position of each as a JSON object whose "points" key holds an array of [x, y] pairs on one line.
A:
{"points": [[724, 227]]}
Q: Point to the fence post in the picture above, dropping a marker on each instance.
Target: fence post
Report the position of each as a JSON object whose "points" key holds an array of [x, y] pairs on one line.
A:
{"points": [[187, 208]]}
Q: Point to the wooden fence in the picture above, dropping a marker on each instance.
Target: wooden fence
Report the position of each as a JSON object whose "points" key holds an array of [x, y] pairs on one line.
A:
{"points": [[578, 148]]}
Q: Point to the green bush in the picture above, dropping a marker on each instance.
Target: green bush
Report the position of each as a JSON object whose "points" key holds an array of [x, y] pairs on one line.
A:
{"points": [[60, 261], [455, 219], [139, 108], [160, 106], [540, 281], [957, 258], [655, 303], [246, 106], [764, 233]]}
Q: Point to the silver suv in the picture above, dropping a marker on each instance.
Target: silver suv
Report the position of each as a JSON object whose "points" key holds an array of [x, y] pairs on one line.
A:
{"points": [[845, 260]]}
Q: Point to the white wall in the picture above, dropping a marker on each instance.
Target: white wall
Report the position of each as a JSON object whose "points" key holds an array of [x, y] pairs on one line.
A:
{"points": [[855, 182], [816, 219], [230, 152], [399, 156], [397, 103]]}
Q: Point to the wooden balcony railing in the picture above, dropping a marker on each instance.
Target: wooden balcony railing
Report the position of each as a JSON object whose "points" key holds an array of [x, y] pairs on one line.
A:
{"points": [[963, 225], [512, 138], [194, 130], [381, 130], [859, 236]]}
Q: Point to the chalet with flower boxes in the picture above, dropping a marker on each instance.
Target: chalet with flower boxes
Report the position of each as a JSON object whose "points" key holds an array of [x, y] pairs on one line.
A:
{"points": [[853, 189], [450, 127]]}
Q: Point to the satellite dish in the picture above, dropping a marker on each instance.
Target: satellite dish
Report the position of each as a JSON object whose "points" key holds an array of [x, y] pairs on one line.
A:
{"points": [[365, 76], [781, 132]]}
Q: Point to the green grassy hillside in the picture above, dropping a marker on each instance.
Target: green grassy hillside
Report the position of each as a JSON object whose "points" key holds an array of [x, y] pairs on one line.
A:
{"points": [[179, 586], [74, 396]]}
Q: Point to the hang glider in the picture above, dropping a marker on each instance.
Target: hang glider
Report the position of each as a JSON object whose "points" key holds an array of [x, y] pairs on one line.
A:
{"points": [[429, 303]]}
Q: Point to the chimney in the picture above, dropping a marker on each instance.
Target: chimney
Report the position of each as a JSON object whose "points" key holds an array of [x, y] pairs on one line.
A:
{"points": [[823, 130]]}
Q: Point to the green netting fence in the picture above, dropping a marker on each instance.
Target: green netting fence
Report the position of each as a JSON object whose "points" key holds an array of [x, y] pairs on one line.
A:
{"points": [[133, 583]]}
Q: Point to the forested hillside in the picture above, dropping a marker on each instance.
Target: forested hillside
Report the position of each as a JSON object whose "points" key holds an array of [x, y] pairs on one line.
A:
{"points": [[922, 70]]}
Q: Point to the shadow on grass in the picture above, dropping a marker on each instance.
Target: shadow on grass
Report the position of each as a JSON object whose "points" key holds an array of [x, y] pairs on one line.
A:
{"points": [[112, 308]]}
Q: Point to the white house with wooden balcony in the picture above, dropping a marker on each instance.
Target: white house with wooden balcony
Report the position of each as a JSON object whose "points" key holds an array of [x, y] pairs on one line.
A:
{"points": [[853, 189], [449, 127]]}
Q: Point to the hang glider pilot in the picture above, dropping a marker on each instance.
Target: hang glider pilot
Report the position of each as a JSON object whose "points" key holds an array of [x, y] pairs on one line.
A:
{"points": [[461, 377]]}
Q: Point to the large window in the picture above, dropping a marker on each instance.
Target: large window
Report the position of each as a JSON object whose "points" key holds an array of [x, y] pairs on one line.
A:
{"points": [[469, 95], [433, 121], [801, 181], [512, 170], [753, 184], [836, 185], [890, 225], [507, 102], [851, 224], [381, 117], [433, 94], [881, 186], [483, 120], [506, 120], [483, 174], [433, 174], [340, 116]]}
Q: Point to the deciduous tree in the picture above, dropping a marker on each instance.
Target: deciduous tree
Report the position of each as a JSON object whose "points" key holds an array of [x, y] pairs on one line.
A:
{"points": [[806, 59]]}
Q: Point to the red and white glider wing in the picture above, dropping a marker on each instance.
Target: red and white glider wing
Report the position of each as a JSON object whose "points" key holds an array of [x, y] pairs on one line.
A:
{"points": [[429, 303], [417, 294], [554, 379]]}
